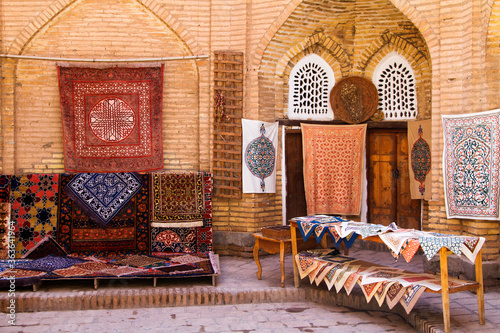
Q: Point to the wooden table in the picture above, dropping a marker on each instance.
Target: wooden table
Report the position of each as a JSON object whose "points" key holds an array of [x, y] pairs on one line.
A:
{"points": [[445, 288], [272, 246]]}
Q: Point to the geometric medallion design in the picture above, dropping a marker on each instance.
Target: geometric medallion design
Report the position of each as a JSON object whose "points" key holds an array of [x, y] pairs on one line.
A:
{"points": [[260, 156]]}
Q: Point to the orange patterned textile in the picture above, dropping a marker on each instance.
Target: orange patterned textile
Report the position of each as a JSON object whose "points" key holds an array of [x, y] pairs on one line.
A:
{"points": [[333, 168]]}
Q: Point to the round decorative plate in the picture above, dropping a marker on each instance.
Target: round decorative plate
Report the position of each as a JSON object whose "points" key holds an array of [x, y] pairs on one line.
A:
{"points": [[354, 99]]}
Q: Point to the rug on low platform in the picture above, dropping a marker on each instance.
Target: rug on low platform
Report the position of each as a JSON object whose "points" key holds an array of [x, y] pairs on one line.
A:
{"points": [[47, 264], [177, 199], [48, 246], [112, 118], [471, 165], [126, 233], [102, 195], [333, 168], [34, 209], [165, 238]]}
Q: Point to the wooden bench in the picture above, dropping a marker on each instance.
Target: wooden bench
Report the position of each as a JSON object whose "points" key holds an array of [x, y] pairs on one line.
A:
{"points": [[445, 291]]}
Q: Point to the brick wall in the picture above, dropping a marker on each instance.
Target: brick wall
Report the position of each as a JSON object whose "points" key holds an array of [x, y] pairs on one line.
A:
{"points": [[452, 46]]}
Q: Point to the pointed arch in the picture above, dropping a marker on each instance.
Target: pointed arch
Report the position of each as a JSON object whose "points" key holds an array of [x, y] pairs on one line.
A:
{"points": [[319, 38], [58, 7]]}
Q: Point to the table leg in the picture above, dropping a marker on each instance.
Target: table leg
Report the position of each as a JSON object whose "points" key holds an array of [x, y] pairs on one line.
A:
{"points": [[256, 257], [282, 263], [293, 233], [480, 289], [445, 292]]}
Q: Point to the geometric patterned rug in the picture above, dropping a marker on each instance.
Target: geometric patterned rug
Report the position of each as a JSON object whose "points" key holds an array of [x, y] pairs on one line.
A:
{"points": [[102, 195], [126, 233], [112, 118], [34, 200], [187, 239]]}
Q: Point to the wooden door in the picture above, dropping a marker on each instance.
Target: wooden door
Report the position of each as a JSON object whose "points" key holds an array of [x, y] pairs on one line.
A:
{"points": [[295, 192], [388, 180]]}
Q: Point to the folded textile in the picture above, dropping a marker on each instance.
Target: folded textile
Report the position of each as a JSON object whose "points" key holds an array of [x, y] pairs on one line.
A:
{"points": [[102, 195]]}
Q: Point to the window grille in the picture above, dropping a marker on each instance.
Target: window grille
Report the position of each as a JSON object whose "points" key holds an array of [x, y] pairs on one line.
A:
{"points": [[310, 83], [396, 85]]}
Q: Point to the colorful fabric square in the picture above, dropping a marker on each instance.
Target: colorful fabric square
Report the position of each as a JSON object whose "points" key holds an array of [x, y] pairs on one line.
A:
{"points": [[178, 199], [47, 247], [333, 168], [4, 188], [419, 152], [370, 289], [431, 243], [410, 250], [171, 237], [471, 165], [381, 292], [471, 247], [305, 263], [394, 294], [33, 199], [122, 270], [260, 142], [411, 296], [111, 118], [47, 264], [126, 233], [4, 229], [102, 195]]}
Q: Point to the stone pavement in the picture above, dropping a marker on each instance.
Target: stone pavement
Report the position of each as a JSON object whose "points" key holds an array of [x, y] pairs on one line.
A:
{"points": [[238, 303]]}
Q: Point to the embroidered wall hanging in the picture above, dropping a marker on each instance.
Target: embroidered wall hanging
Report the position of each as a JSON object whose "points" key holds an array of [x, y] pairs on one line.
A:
{"points": [[33, 199], [177, 199], [167, 238], [420, 147], [102, 195], [111, 118], [471, 165], [126, 233], [333, 168], [260, 140]]}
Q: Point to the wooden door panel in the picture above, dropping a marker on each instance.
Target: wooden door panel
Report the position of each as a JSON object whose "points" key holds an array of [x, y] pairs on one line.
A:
{"points": [[295, 192], [408, 210], [389, 181], [381, 190]]}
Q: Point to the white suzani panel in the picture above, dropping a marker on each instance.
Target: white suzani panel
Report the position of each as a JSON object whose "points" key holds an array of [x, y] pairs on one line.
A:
{"points": [[260, 141]]}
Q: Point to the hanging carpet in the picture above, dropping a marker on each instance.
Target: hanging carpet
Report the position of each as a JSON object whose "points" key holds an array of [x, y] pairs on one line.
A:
{"points": [[111, 118], [333, 168], [471, 165]]}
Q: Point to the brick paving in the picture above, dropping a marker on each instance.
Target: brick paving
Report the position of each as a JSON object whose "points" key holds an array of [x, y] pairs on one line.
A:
{"points": [[238, 303]]}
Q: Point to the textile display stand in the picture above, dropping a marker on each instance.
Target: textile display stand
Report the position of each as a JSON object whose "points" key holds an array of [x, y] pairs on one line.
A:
{"points": [[446, 286]]}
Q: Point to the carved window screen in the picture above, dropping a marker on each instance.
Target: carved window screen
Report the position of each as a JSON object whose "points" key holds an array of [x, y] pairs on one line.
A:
{"points": [[397, 88], [228, 82], [309, 84]]}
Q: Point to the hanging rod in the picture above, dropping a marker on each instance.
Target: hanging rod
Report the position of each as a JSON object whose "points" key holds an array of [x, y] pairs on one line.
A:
{"points": [[101, 60]]}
